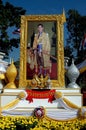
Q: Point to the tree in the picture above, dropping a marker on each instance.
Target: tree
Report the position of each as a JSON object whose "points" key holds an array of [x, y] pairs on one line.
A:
{"points": [[9, 17], [76, 26]]}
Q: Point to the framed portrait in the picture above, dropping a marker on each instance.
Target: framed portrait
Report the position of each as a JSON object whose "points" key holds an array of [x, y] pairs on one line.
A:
{"points": [[45, 54]]}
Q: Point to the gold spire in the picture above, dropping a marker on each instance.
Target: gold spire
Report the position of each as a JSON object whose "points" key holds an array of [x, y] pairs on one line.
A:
{"points": [[64, 17]]}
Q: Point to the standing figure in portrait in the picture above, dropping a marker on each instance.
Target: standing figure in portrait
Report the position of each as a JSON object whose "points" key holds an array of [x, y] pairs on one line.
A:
{"points": [[41, 49]]}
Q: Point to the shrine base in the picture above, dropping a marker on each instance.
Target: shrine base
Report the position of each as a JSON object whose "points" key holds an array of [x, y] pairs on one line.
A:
{"points": [[73, 95]]}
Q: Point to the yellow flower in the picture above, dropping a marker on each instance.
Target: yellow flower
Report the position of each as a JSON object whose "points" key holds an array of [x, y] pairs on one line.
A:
{"points": [[9, 122]]}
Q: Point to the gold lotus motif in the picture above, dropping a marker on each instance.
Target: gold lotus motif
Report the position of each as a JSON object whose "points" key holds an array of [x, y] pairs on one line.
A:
{"points": [[11, 74], [40, 82]]}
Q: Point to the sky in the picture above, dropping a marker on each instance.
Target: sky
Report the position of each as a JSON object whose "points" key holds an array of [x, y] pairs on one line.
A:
{"points": [[47, 7]]}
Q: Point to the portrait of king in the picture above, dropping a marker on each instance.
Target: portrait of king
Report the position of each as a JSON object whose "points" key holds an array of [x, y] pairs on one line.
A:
{"points": [[40, 58]]}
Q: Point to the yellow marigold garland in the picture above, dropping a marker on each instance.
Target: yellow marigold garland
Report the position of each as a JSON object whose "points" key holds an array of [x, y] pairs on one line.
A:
{"points": [[32, 123]]}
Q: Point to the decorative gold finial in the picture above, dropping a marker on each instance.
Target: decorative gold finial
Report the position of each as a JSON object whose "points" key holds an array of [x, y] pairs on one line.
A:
{"points": [[63, 16], [11, 74]]}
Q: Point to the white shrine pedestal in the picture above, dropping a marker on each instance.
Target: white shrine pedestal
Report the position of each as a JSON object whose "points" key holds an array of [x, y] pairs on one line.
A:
{"points": [[73, 95]]}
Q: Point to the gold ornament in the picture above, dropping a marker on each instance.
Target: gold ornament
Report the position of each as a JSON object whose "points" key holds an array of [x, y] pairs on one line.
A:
{"points": [[39, 82], [2, 76], [11, 74], [41, 85], [21, 95], [33, 83], [58, 95]]}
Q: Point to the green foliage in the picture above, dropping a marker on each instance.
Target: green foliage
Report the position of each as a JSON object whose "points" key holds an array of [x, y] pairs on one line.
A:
{"points": [[9, 17], [76, 26]]}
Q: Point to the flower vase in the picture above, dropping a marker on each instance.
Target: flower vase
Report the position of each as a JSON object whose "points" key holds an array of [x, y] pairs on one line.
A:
{"points": [[73, 74]]}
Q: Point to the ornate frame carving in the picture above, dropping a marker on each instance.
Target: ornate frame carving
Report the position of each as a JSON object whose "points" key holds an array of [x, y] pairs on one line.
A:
{"points": [[59, 19]]}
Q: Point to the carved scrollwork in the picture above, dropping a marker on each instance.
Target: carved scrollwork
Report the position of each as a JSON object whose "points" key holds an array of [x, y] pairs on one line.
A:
{"points": [[59, 19]]}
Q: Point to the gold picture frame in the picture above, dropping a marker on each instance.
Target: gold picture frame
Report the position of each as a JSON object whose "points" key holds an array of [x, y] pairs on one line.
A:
{"points": [[26, 21]]}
